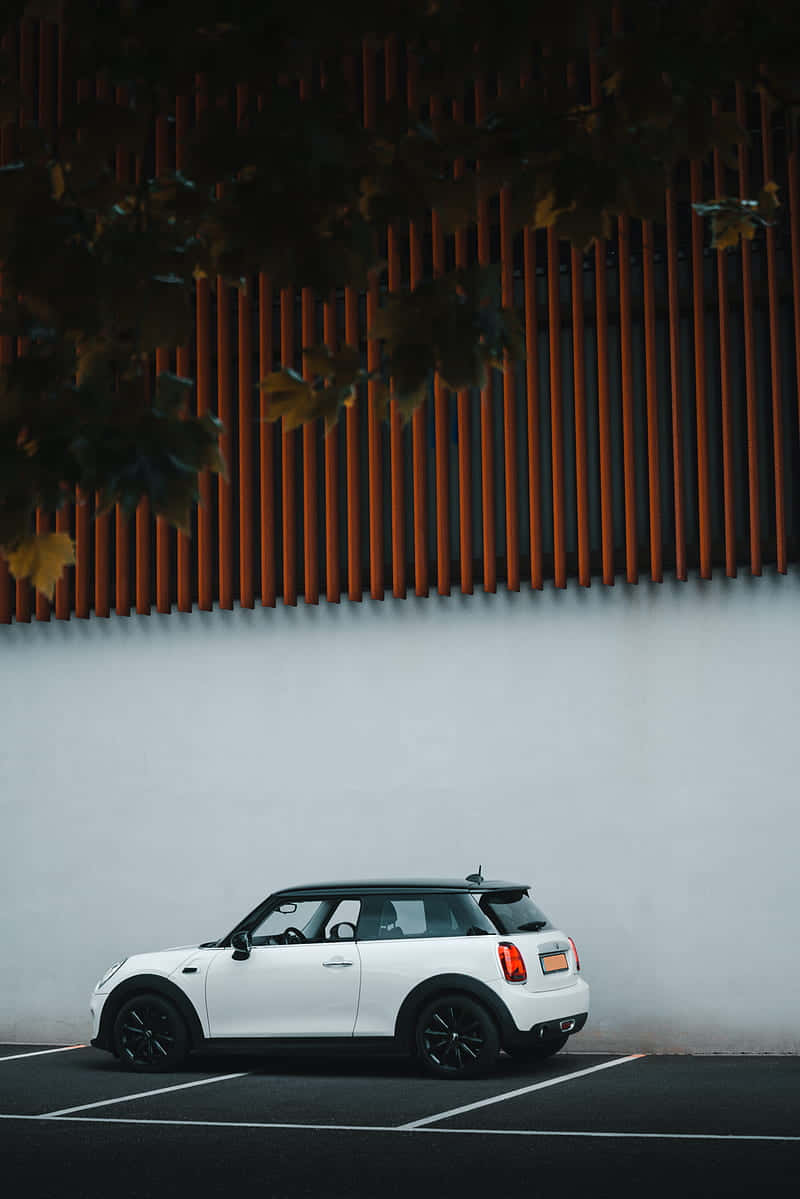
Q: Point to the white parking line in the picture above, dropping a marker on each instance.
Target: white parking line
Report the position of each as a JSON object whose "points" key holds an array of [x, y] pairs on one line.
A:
{"points": [[14, 1057], [183, 1086], [537, 1086], [482, 1132]]}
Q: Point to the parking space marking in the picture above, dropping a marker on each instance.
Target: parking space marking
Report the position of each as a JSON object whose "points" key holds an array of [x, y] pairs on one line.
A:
{"points": [[482, 1132], [536, 1086], [14, 1057], [182, 1086]]}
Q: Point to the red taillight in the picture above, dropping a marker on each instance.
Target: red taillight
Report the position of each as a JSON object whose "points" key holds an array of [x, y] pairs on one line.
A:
{"points": [[512, 963], [575, 951]]}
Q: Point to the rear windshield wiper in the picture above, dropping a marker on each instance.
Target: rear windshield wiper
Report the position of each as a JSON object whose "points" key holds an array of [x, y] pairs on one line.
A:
{"points": [[532, 926]]}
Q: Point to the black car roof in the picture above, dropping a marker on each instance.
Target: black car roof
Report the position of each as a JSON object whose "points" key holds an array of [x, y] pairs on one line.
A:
{"points": [[401, 884]]}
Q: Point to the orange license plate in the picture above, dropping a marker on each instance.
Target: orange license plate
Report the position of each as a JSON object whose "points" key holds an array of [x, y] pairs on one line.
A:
{"points": [[553, 962]]}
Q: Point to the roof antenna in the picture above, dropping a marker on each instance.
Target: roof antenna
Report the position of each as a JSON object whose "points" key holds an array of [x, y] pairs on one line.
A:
{"points": [[476, 878]]}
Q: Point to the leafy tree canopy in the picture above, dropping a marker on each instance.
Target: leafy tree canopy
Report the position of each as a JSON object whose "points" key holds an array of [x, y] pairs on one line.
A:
{"points": [[98, 272]]}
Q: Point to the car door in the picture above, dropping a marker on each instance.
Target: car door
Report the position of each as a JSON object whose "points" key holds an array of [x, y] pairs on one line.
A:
{"points": [[305, 989]]}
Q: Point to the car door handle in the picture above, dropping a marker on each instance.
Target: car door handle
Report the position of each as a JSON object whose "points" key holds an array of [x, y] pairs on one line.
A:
{"points": [[337, 962]]}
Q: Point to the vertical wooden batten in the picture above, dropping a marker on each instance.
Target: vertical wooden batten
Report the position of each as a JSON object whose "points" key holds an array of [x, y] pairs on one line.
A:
{"points": [[395, 428], [509, 397], [164, 535], [463, 417], [205, 532], [487, 431], [748, 314], [418, 454], [183, 366], [375, 474], [441, 405], [774, 353], [723, 314], [651, 401], [674, 316], [700, 399], [310, 430], [601, 340]]}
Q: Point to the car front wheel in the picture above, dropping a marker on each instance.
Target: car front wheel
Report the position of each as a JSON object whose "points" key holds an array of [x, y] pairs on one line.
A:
{"points": [[150, 1035], [456, 1038]]}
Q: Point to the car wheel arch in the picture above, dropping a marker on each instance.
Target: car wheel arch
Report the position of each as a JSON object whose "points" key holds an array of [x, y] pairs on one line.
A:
{"points": [[441, 984], [149, 983]]}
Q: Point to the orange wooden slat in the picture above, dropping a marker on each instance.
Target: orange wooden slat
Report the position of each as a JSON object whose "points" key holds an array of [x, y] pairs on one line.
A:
{"points": [[163, 530], [418, 450], [354, 578], [373, 362], [351, 337], [651, 397], [673, 307], [46, 120], [205, 532], [464, 430], [333, 583], [266, 447], [288, 466], [395, 428], [556, 408], [122, 571], [245, 414], [27, 598], [532, 395], [487, 432], [794, 225], [748, 317], [774, 353], [310, 430], [728, 476], [225, 498], [310, 537], [6, 357], [626, 358], [183, 365], [440, 417], [143, 520], [701, 406], [601, 336], [509, 397], [579, 400]]}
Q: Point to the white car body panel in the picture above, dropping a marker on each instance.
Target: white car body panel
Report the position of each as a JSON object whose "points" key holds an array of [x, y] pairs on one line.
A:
{"points": [[350, 989], [284, 991]]}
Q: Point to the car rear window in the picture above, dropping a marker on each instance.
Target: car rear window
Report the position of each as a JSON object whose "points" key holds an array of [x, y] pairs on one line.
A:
{"points": [[513, 912]]}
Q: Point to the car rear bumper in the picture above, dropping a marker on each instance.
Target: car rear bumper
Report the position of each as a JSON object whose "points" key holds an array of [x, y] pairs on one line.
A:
{"points": [[537, 1015]]}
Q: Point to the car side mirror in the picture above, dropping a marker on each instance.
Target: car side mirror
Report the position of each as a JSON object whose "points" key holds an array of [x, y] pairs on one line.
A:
{"points": [[241, 945], [343, 931]]}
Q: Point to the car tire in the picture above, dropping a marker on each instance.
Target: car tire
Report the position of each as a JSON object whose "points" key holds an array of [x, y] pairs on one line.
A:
{"points": [[456, 1037], [538, 1052], [163, 1042]]}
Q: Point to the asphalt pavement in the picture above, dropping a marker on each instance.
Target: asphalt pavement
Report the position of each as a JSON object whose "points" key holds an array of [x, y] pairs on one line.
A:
{"points": [[72, 1123]]}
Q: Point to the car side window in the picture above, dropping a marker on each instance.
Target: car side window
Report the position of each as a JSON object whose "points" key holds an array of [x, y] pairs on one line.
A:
{"points": [[304, 915], [390, 917]]}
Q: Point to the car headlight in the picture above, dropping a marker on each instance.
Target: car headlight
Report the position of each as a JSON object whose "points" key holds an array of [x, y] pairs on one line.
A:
{"points": [[111, 970]]}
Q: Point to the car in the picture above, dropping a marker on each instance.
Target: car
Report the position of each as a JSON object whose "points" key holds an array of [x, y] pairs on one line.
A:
{"points": [[451, 971]]}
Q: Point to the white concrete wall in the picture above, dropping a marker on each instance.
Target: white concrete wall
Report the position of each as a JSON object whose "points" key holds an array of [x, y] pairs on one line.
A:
{"points": [[633, 752]]}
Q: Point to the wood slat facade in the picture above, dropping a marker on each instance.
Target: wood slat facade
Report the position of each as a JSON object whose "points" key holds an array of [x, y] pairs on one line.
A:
{"points": [[653, 426]]}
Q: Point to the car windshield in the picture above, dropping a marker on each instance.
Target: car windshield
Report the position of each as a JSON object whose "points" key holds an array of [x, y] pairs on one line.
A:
{"points": [[513, 912]]}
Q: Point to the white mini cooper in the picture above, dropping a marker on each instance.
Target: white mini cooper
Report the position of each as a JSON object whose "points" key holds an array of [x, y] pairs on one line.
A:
{"points": [[449, 970]]}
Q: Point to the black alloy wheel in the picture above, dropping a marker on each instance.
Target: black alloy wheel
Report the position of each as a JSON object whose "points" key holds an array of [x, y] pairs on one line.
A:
{"points": [[150, 1035], [456, 1038]]}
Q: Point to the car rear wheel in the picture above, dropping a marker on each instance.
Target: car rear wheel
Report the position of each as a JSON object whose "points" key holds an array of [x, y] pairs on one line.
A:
{"points": [[150, 1035], [456, 1038], [537, 1052]]}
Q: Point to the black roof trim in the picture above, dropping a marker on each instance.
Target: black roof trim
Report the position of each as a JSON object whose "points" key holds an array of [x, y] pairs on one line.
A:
{"points": [[402, 884]]}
